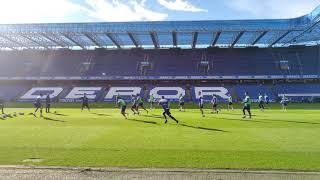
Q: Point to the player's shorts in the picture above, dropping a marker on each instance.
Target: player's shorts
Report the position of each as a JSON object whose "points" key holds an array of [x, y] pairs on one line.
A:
{"points": [[247, 107], [134, 106], [85, 104], [230, 103], [48, 105], [215, 105], [181, 104], [261, 103], [167, 111], [123, 109], [140, 104], [37, 105], [200, 106], [1, 106], [267, 102], [285, 104]]}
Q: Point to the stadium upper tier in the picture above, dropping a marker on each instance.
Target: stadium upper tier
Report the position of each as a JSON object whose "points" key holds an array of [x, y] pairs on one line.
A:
{"points": [[137, 64], [183, 34]]}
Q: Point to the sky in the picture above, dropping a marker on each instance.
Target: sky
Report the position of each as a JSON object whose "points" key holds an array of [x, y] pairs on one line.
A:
{"points": [[59, 11]]}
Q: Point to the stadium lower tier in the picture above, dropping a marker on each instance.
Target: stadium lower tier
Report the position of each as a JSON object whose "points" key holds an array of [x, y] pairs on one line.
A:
{"points": [[26, 92], [211, 63]]}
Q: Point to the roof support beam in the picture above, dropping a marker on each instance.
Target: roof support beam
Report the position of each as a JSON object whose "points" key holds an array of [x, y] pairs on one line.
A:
{"points": [[92, 39], [114, 40], [259, 37], [39, 44], [278, 39], [74, 41], [217, 36], [134, 39], [155, 40], [301, 34], [237, 39], [13, 41], [52, 40], [194, 39], [174, 39]]}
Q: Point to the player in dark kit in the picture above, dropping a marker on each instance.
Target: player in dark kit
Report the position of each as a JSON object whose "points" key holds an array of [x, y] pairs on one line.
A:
{"points": [[123, 106], [165, 105], [246, 105], [201, 104], [214, 103], [139, 102], [38, 105], [48, 103], [2, 105], [261, 102], [85, 102], [134, 105], [181, 103]]}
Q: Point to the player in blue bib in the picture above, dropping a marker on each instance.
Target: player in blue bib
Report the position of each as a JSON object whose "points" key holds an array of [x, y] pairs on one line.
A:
{"points": [[165, 105], [48, 103], [85, 102]]}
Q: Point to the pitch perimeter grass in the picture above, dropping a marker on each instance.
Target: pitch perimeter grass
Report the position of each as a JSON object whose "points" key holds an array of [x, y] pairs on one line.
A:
{"points": [[102, 138]]}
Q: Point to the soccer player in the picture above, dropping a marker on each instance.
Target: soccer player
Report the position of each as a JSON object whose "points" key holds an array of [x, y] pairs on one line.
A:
{"points": [[134, 104], [85, 102], [284, 102], [261, 102], [246, 106], [2, 105], [214, 103], [266, 99], [48, 103], [165, 105], [201, 104], [151, 100], [123, 106], [230, 102], [181, 103], [117, 96], [140, 104], [38, 105]]}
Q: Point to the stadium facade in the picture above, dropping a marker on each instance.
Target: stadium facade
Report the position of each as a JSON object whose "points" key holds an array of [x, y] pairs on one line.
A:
{"points": [[274, 57]]}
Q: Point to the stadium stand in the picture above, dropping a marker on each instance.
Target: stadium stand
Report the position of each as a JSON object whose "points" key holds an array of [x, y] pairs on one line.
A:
{"points": [[275, 57], [223, 62]]}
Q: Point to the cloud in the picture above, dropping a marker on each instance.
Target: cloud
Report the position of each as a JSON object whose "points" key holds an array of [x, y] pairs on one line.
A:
{"points": [[36, 11], [114, 10], [273, 8], [180, 5]]}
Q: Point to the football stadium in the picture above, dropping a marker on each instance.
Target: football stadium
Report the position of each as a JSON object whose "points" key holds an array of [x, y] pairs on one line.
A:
{"points": [[211, 99]]}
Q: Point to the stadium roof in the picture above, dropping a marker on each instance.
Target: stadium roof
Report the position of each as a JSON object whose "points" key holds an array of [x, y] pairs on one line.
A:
{"points": [[303, 30]]}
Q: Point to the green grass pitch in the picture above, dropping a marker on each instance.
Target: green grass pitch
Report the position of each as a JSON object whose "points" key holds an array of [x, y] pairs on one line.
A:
{"points": [[103, 138]]}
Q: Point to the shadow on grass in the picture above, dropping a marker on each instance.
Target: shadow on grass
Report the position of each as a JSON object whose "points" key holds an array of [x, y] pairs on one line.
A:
{"points": [[232, 114], [269, 120], [203, 128], [244, 120], [50, 119], [100, 114], [287, 121], [59, 114], [142, 121], [153, 116]]}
